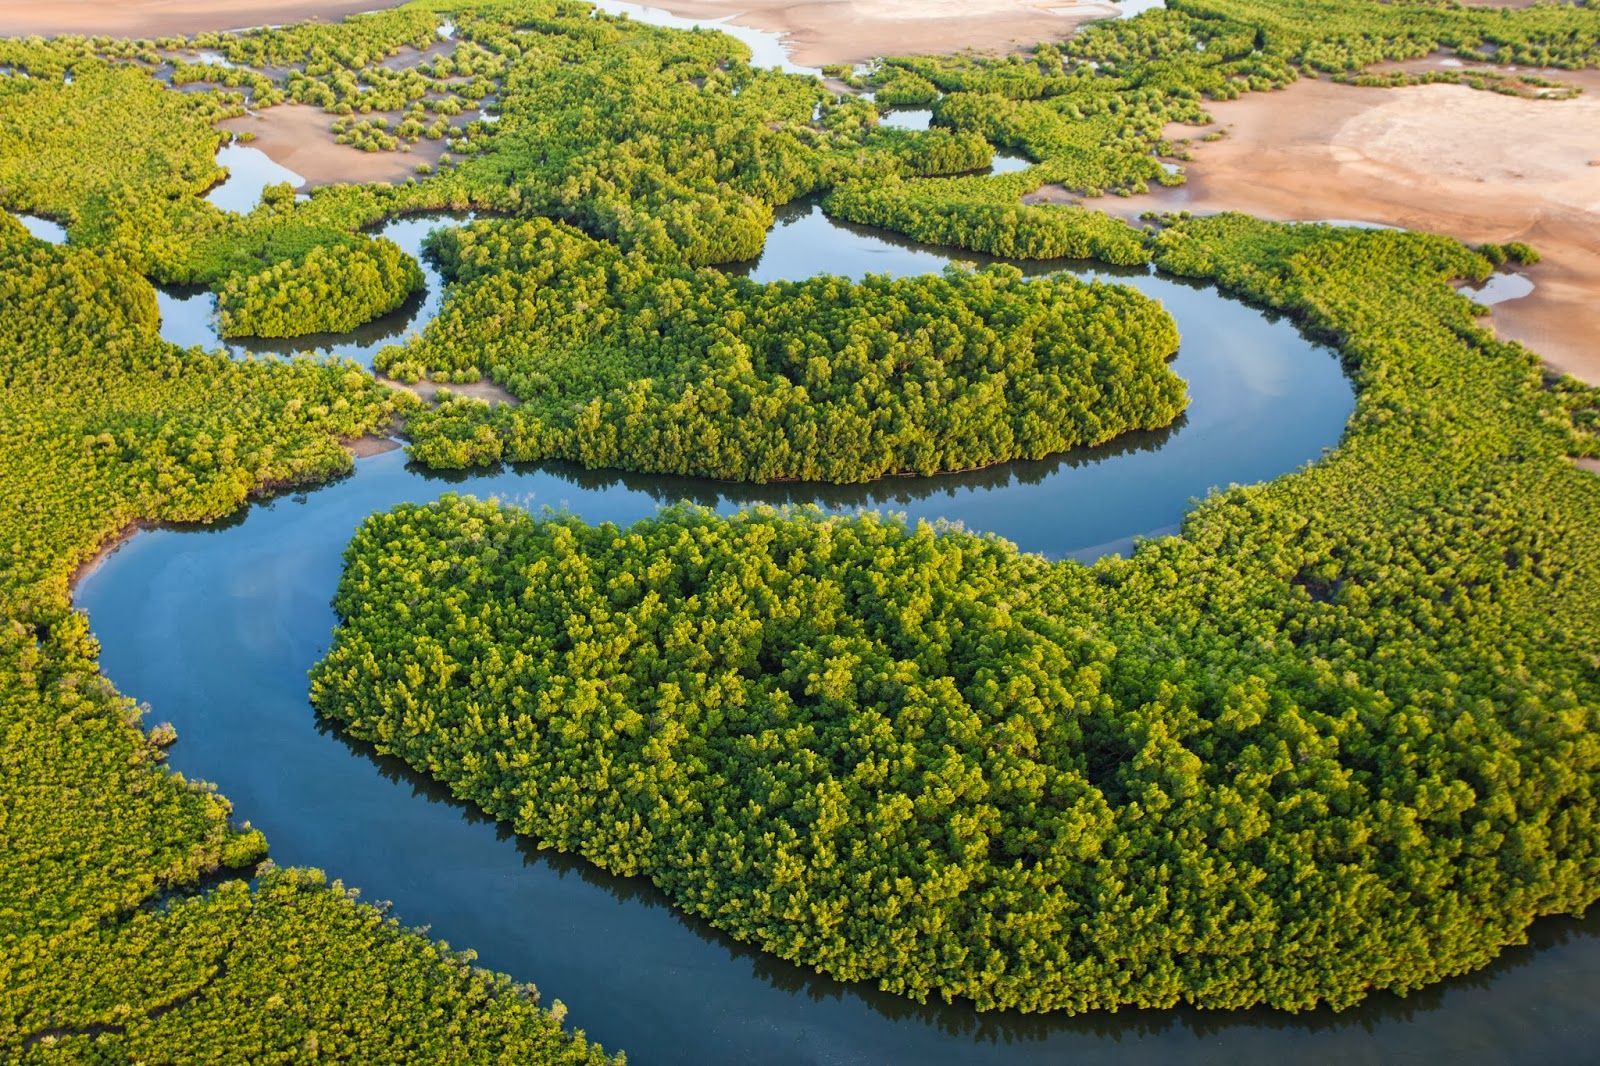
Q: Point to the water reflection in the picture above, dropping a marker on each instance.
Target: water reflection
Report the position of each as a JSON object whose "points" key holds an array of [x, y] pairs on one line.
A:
{"points": [[189, 315], [250, 171]]}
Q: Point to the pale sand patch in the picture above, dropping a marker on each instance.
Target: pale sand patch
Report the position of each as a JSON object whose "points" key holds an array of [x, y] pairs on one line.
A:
{"points": [[161, 18], [1479, 166], [818, 32], [299, 136], [365, 447], [484, 390]]}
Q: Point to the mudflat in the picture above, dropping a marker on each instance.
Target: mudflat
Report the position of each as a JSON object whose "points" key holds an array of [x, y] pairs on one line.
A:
{"points": [[1477, 165], [158, 18], [852, 31]]}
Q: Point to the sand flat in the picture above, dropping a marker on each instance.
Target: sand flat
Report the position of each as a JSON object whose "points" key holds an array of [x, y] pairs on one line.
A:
{"points": [[300, 137], [158, 18], [819, 32], [1479, 166]]}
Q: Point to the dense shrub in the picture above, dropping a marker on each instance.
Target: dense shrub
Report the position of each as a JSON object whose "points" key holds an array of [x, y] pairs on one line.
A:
{"points": [[623, 362], [1338, 737]]}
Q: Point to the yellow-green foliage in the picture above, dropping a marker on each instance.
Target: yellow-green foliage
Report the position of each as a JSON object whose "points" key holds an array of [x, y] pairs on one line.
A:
{"points": [[987, 215], [624, 362], [103, 425], [1340, 736], [333, 288]]}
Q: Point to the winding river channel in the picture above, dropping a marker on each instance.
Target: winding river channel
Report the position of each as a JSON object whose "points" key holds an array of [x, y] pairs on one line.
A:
{"points": [[216, 627]]}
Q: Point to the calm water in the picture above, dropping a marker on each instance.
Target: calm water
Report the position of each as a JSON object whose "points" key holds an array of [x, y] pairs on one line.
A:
{"points": [[250, 171], [44, 229], [907, 118], [189, 316]]}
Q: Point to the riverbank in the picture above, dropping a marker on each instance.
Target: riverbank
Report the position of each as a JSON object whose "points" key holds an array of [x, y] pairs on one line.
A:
{"points": [[1479, 166]]}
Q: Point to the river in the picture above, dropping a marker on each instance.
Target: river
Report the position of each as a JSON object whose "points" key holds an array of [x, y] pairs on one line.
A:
{"points": [[216, 628]]}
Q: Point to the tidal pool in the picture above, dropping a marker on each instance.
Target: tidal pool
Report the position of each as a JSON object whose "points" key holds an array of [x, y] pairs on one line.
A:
{"points": [[907, 118], [1499, 288]]}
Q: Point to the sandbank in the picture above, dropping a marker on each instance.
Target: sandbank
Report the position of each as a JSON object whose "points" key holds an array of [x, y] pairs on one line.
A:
{"points": [[1479, 166], [300, 137], [162, 18]]}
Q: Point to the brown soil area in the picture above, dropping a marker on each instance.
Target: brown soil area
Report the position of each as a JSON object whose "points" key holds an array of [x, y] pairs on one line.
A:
{"points": [[298, 136], [160, 18], [1479, 166], [819, 32]]}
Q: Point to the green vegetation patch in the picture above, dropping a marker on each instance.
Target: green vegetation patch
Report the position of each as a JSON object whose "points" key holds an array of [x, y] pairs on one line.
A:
{"points": [[623, 362], [1339, 737], [108, 950], [333, 288]]}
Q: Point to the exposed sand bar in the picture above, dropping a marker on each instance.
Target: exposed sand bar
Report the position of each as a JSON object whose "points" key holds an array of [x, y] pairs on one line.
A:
{"points": [[819, 32], [298, 136], [158, 18], [1479, 166]]}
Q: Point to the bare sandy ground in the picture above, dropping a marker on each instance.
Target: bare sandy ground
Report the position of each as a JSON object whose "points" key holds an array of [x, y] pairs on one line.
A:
{"points": [[298, 136], [158, 18], [366, 447], [484, 390], [819, 32], [1479, 166]]}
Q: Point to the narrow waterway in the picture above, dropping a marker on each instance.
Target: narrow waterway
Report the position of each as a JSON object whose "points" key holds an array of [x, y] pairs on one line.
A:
{"points": [[189, 315]]}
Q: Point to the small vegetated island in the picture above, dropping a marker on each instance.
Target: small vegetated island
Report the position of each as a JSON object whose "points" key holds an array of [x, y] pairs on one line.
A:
{"points": [[1337, 737], [624, 362]]}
